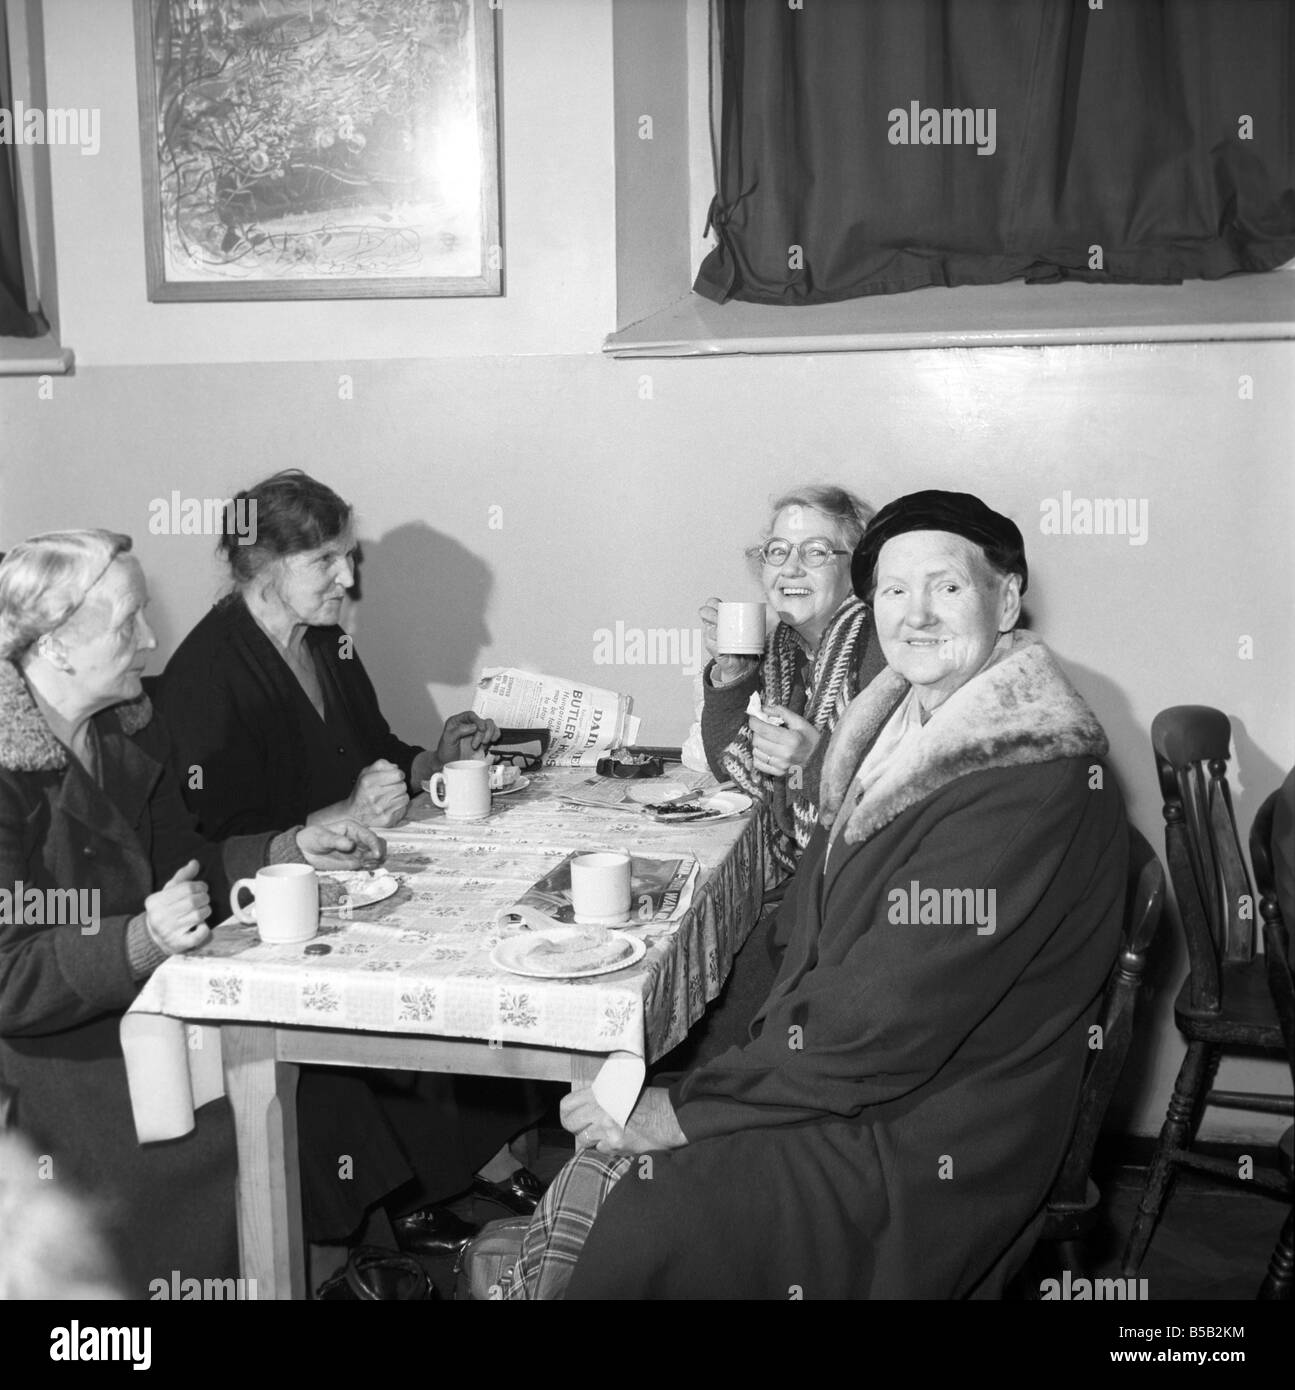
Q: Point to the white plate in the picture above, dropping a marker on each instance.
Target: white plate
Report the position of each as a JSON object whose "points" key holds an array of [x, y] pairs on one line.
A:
{"points": [[645, 793], [364, 886], [511, 954], [728, 804], [519, 785]]}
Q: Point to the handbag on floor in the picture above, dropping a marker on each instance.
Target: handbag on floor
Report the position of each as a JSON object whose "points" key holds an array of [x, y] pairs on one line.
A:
{"points": [[373, 1274], [488, 1256]]}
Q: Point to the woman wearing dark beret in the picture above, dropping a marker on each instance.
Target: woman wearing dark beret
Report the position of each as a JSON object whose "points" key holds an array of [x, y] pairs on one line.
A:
{"points": [[895, 1123], [275, 720]]}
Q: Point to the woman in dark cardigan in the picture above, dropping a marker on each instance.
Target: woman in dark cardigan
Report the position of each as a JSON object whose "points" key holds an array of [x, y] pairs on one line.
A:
{"points": [[90, 813], [275, 720]]}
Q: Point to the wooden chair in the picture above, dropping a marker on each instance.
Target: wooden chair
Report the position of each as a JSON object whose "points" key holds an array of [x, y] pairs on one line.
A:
{"points": [[1280, 1280], [1074, 1199], [1224, 1001]]}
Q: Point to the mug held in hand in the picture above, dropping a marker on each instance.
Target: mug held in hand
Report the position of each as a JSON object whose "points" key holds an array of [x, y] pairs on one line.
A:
{"points": [[739, 629]]}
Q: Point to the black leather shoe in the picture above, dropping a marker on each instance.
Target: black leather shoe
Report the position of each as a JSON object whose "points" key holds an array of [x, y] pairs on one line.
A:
{"points": [[520, 1192], [432, 1231]]}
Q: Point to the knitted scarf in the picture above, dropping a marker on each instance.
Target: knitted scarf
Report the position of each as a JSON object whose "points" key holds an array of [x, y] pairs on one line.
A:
{"points": [[833, 683]]}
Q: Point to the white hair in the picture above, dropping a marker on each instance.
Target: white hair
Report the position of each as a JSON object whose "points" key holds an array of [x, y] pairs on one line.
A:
{"points": [[44, 580]]}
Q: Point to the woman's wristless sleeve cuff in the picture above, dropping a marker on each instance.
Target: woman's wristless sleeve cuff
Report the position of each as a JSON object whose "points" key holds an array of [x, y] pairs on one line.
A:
{"points": [[284, 848], [143, 954]]}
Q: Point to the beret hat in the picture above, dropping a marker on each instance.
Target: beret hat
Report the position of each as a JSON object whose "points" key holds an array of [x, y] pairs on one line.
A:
{"points": [[956, 512]]}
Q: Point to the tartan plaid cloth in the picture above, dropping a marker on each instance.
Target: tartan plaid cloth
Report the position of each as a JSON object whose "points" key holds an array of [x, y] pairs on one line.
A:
{"points": [[561, 1225]]}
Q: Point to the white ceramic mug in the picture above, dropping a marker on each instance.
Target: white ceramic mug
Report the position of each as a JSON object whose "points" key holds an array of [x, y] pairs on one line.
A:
{"points": [[287, 902], [600, 888], [739, 629], [462, 789]]}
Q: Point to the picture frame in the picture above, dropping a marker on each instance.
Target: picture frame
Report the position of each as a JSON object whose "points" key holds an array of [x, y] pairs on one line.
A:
{"points": [[319, 149]]}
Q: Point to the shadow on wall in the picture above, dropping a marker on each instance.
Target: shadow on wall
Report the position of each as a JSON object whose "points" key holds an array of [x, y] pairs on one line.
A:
{"points": [[421, 621]]}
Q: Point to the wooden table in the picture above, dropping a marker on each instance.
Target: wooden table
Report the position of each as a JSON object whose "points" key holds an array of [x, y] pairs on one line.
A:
{"points": [[408, 985]]}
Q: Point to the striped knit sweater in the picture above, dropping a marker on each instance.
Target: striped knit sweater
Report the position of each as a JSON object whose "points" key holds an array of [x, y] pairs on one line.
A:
{"points": [[847, 659]]}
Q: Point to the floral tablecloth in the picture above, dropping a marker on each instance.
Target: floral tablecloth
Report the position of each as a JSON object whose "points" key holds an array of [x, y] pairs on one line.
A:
{"points": [[420, 961]]}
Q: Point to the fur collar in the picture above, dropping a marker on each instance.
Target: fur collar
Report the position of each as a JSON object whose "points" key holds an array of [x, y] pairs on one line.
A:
{"points": [[26, 743], [1020, 710]]}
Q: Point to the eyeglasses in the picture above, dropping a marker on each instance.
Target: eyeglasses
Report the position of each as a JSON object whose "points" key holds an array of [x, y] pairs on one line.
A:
{"points": [[814, 554]]}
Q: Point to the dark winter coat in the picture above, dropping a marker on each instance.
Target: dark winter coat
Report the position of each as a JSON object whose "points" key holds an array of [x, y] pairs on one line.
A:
{"points": [[893, 1128], [63, 989]]}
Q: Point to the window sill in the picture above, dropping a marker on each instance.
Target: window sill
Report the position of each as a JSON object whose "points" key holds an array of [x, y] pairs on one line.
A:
{"points": [[1241, 308], [41, 356]]}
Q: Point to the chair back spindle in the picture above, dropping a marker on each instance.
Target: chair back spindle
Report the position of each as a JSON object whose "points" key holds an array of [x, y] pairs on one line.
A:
{"points": [[1202, 846]]}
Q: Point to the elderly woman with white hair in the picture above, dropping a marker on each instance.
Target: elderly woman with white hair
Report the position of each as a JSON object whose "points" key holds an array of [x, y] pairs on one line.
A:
{"points": [[818, 657], [89, 803]]}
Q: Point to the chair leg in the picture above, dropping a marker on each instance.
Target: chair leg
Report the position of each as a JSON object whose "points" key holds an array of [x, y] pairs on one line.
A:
{"points": [[1181, 1119], [1069, 1256], [1280, 1283]]}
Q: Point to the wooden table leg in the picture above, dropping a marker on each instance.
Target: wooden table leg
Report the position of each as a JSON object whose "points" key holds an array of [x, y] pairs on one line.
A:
{"points": [[583, 1070], [263, 1094]]}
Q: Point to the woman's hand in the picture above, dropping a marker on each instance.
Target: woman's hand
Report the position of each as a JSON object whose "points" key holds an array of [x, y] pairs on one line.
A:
{"points": [[379, 796], [776, 750], [176, 915], [729, 669], [465, 735], [651, 1126], [346, 844]]}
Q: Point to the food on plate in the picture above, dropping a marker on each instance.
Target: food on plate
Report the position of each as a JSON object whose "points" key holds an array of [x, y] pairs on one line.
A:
{"points": [[582, 951], [683, 810], [502, 776], [331, 891]]}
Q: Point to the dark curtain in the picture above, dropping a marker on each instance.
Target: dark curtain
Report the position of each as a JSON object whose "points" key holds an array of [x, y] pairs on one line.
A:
{"points": [[15, 321], [1121, 128]]}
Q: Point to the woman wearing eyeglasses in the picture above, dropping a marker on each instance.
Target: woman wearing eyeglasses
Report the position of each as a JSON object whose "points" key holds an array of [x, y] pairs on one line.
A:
{"points": [[822, 653]]}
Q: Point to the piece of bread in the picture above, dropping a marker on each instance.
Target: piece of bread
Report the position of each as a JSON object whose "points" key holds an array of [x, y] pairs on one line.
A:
{"points": [[583, 951], [502, 776]]}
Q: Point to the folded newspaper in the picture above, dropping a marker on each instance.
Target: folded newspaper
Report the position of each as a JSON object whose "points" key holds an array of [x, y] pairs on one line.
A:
{"points": [[583, 720], [660, 891]]}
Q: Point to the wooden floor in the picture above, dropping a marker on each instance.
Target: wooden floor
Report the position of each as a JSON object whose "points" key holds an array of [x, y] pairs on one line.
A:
{"points": [[1213, 1242]]}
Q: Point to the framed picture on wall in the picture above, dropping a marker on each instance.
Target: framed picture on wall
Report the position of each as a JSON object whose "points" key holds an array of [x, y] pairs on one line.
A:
{"points": [[319, 149]]}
